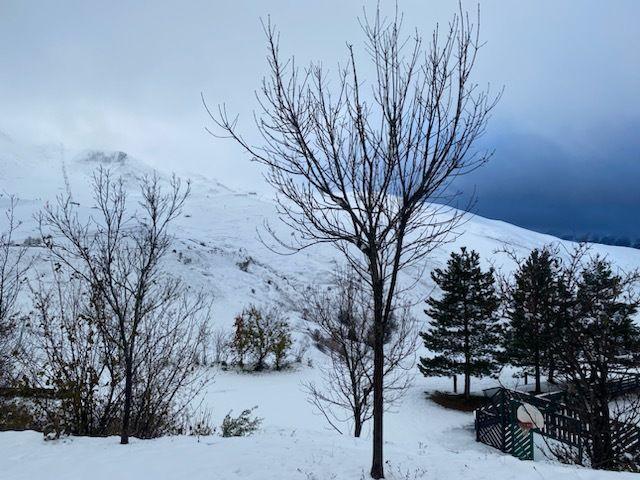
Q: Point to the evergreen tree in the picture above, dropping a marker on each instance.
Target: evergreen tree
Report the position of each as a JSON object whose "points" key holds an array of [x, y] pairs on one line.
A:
{"points": [[464, 332], [534, 314], [605, 314], [600, 341]]}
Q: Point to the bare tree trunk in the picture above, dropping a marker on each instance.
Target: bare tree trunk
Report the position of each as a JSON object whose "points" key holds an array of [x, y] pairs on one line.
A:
{"points": [[538, 387], [603, 455], [377, 469], [467, 359], [128, 395], [455, 383], [467, 385], [357, 423]]}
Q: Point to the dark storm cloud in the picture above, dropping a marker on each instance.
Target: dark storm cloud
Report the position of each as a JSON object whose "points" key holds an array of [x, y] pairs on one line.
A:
{"points": [[540, 184], [128, 75]]}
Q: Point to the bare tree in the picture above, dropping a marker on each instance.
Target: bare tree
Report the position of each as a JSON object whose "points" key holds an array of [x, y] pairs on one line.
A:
{"points": [[14, 264], [341, 325], [600, 348], [221, 339], [118, 253], [367, 168]]}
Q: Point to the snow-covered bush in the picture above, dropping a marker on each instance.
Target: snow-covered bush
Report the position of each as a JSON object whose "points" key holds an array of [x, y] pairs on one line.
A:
{"points": [[200, 424], [240, 426], [259, 334]]}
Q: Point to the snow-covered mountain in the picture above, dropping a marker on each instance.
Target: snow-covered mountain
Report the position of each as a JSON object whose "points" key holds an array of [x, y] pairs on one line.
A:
{"points": [[217, 248], [217, 239]]}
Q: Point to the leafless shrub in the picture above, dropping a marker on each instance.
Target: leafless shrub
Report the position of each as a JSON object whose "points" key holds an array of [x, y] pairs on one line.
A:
{"points": [[341, 325], [73, 357], [397, 473], [300, 350], [200, 425], [221, 344], [167, 374], [14, 264], [152, 323]]}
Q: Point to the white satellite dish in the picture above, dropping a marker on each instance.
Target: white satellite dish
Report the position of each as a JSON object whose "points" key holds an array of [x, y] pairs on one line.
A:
{"points": [[530, 417]]}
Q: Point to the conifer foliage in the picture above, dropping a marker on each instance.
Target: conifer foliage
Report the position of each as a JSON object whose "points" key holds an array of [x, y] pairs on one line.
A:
{"points": [[599, 343], [533, 312], [464, 333]]}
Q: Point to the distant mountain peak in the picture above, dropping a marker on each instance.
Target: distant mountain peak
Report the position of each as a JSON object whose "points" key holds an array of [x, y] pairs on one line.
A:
{"points": [[104, 157]]}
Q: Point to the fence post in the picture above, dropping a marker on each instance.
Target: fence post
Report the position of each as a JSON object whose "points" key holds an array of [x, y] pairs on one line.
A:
{"points": [[505, 422]]}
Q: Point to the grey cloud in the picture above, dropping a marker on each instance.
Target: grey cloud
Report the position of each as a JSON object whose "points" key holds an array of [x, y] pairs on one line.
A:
{"points": [[128, 75]]}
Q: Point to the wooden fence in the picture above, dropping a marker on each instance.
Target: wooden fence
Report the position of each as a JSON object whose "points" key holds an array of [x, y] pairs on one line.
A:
{"points": [[497, 426]]}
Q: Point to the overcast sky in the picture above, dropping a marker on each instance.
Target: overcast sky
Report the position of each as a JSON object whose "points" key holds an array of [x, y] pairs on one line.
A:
{"points": [[128, 76]]}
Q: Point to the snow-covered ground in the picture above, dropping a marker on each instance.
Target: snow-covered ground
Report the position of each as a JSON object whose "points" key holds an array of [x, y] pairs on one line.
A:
{"points": [[215, 236]]}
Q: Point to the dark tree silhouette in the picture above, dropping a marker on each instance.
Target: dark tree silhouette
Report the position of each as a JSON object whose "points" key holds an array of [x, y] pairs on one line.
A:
{"points": [[359, 165], [465, 333], [600, 343], [151, 322], [532, 309]]}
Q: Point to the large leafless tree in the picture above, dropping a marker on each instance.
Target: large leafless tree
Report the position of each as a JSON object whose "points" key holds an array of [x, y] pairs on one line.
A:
{"points": [[366, 166]]}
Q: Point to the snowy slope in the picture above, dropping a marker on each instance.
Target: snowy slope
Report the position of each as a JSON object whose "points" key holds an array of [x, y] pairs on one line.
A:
{"points": [[216, 233]]}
